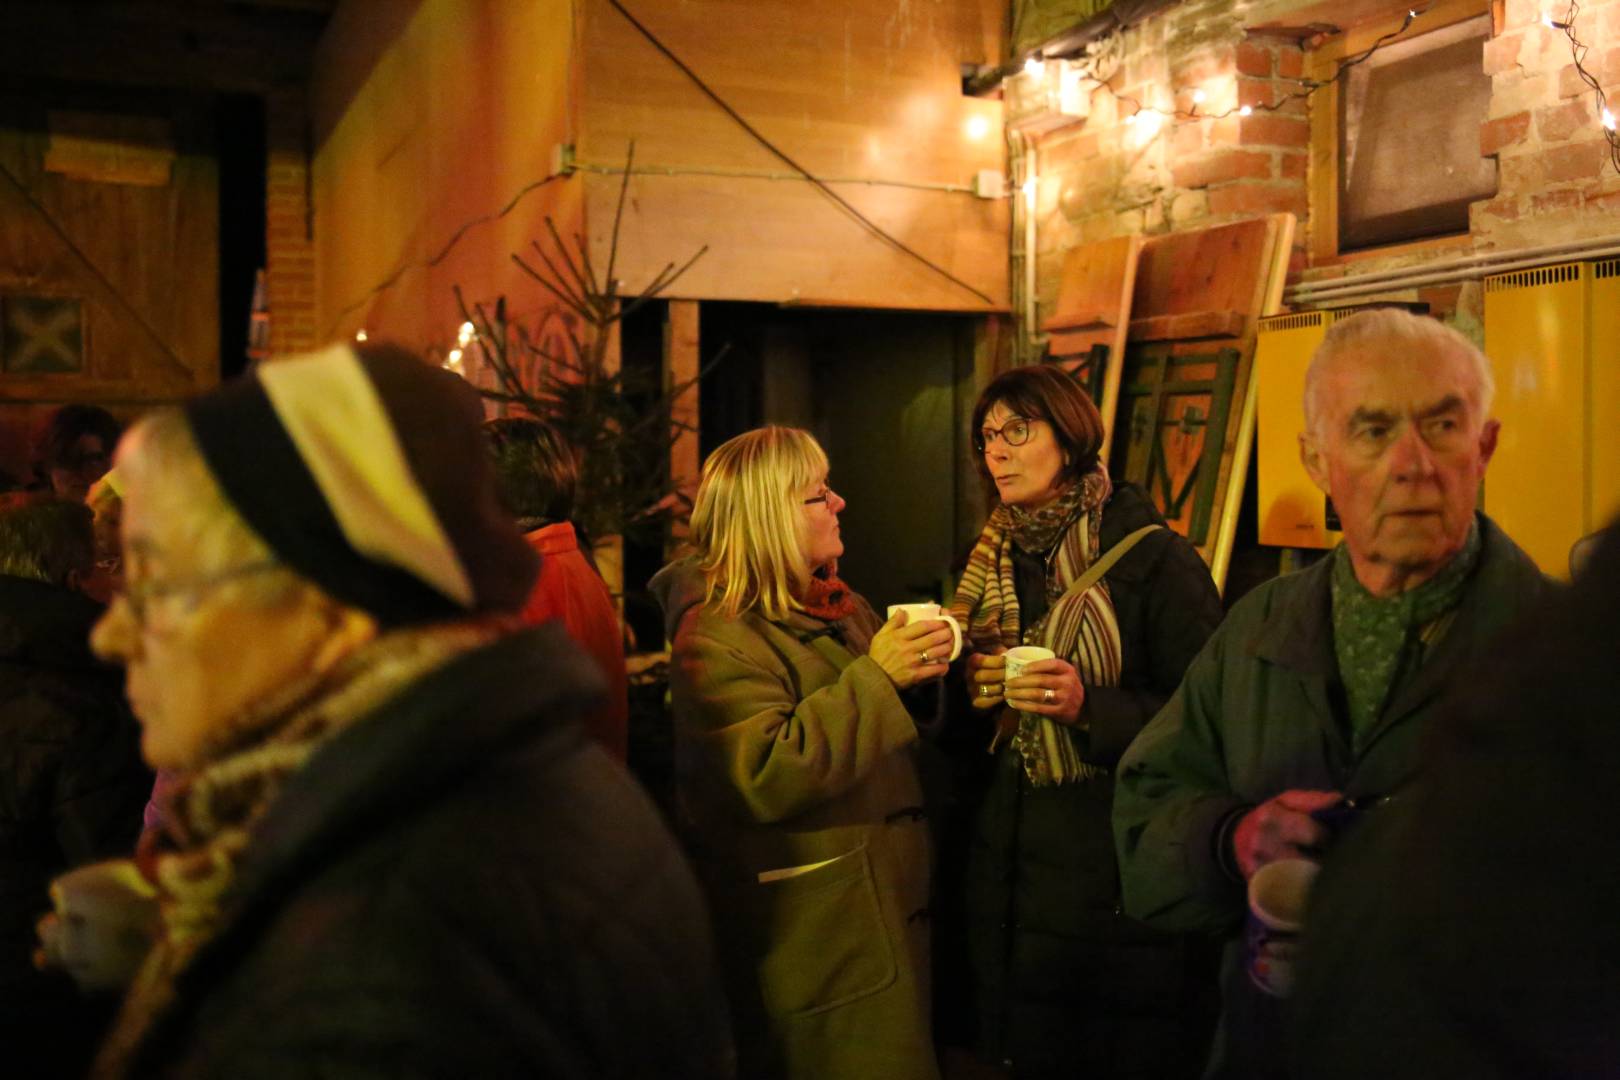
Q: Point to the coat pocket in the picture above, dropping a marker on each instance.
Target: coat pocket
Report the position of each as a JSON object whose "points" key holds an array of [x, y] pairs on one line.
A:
{"points": [[825, 943]]}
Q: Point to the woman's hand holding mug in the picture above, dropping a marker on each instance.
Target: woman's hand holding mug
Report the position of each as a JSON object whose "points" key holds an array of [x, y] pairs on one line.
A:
{"points": [[912, 653], [1049, 688]]}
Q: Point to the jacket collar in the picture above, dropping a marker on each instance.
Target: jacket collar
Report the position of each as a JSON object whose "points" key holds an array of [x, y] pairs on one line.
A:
{"points": [[1298, 633]]}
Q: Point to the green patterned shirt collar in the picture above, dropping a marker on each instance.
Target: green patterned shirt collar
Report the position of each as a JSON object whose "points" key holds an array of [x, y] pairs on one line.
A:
{"points": [[1379, 640]]}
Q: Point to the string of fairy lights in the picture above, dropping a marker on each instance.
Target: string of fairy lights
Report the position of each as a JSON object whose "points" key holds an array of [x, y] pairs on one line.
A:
{"points": [[1141, 111], [1577, 51]]}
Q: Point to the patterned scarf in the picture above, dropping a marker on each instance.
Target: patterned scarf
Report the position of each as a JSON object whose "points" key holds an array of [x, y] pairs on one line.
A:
{"points": [[210, 815], [1081, 629], [1380, 641]]}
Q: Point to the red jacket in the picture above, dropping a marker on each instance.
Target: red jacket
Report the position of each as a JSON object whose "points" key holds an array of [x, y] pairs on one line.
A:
{"points": [[570, 590]]}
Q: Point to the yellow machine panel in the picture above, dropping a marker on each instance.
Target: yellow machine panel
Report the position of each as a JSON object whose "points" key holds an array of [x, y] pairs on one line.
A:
{"points": [[1536, 334], [1293, 512], [1603, 397]]}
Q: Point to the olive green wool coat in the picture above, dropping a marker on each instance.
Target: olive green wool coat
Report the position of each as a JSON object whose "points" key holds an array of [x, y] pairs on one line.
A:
{"points": [[800, 802]]}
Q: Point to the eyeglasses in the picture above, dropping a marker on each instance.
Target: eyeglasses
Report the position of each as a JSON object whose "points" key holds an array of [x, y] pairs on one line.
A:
{"points": [[141, 595], [1014, 432], [826, 494]]}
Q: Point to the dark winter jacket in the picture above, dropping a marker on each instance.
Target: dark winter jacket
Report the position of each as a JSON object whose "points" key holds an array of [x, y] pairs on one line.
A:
{"points": [[798, 787], [1468, 929], [459, 885], [1065, 983], [71, 790], [1260, 712]]}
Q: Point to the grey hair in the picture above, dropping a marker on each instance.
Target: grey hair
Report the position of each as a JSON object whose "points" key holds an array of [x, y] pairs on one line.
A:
{"points": [[1390, 336], [46, 541], [159, 460]]}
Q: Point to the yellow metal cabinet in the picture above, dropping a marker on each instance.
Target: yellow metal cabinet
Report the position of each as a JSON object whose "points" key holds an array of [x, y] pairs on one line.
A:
{"points": [[1551, 336], [1293, 512]]}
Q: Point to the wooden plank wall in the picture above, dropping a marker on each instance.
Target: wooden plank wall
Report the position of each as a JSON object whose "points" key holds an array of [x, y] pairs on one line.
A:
{"points": [[847, 90], [142, 258]]}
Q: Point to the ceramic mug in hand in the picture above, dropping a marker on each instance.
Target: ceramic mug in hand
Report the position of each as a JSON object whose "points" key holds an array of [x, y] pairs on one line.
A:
{"points": [[916, 613]]}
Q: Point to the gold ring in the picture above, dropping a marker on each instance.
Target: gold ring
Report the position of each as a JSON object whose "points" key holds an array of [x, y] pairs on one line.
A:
{"points": [[924, 655], [984, 689]]}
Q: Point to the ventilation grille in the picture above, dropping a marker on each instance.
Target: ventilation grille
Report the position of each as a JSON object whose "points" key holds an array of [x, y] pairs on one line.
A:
{"points": [[1606, 269], [1543, 275], [1293, 322]]}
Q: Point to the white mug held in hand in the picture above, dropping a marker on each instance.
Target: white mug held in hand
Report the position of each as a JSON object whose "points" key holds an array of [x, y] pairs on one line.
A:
{"points": [[105, 922], [1020, 658], [916, 613]]}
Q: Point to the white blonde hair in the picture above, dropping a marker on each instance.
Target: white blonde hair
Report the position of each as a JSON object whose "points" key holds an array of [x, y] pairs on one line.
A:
{"points": [[1390, 336], [748, 524]]}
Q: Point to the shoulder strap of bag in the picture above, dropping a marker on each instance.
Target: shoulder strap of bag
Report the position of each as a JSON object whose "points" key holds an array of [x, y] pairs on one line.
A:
{"points": [[1094, 573]]}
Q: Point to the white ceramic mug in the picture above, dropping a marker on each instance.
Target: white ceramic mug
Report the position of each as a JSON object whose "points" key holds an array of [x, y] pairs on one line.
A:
{"points": [[1024, 655], [106, 921], [916, 613]]}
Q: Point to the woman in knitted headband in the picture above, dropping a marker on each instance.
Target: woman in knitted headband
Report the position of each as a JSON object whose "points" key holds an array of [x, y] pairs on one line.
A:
{"points": [[380, 784], [796, 771], [1063, 982]]}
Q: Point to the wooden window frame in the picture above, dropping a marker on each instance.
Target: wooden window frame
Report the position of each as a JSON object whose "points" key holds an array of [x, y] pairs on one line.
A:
{"points": [[1323, 184]]}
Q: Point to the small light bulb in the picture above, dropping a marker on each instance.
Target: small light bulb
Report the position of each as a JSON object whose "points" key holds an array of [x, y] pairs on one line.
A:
{"points": [[1608, 119], [1246, 110], [465, 333], [1029, 189], [360, 335], [1411, 13], [978, 127], [1131, 119], [1546, 20], [1034, 67], [1199, 97]]}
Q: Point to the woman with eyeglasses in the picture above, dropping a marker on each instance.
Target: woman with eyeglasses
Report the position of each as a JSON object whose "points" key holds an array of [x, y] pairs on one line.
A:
{"points": [[1064, 985], [795, 774], [389, 848]]}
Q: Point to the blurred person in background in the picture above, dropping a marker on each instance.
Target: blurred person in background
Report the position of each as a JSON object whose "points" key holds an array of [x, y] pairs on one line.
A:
{"points": [[71, 777], [537, 474], [74, 449]]}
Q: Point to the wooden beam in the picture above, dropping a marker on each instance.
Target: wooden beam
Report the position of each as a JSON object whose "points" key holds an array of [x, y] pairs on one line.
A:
{"points": [[682, 359], [195, 48]]}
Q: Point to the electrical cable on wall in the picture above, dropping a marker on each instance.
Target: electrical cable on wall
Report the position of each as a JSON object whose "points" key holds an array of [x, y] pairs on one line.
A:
{"points": [[455, 238], [843, 204]]}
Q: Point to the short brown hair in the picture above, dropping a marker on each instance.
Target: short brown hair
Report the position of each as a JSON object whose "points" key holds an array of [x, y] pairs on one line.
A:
{"points": [[536, 471], [1046, 392]]}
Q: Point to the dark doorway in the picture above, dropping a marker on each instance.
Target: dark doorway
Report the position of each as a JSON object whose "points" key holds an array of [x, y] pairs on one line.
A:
{"points": [[882, 392]]}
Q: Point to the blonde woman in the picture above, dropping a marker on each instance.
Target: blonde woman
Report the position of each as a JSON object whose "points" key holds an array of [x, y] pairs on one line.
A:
{"points": [[796, 777]]}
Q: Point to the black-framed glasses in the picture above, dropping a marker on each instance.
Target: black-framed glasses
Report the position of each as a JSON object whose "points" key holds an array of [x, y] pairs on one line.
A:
{"points": [[141, 595], [1014, 432]]}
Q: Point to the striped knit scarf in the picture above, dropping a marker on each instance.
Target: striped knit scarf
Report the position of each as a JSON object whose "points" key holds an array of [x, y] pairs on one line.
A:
{"points": [[1081, 629], [210, 815]]}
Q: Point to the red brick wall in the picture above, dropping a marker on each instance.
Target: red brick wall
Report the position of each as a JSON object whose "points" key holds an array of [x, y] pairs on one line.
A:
{"points": [[290, 248], [1106, 177]]}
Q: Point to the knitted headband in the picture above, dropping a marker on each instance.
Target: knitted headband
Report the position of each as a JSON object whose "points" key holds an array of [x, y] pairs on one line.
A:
{"points": [[365, 470]]}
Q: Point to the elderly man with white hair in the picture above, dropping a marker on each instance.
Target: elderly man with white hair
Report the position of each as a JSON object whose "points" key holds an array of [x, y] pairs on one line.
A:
{"points": [[1308, 703]]}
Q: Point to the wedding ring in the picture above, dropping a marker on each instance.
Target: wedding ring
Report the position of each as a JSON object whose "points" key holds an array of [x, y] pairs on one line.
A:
{"points": [[1048, 696], [924, 655], [984, 689]]}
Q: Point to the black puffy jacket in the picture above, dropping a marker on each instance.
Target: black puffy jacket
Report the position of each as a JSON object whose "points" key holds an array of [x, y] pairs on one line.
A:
{"points": [[460, 885], [1064, 983], [72, 786]]}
